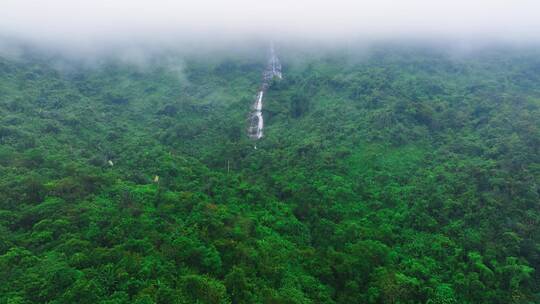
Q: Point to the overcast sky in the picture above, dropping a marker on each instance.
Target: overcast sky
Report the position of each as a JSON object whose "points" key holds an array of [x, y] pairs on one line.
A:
{"points": [[102, 21]]}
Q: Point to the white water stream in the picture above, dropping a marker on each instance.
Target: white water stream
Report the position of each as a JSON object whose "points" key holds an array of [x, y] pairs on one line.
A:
{"points": [[258, 114], [256, 122]]}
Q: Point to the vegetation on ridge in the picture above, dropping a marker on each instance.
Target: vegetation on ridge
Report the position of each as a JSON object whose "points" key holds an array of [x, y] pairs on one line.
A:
{"points": [[407, 175]]}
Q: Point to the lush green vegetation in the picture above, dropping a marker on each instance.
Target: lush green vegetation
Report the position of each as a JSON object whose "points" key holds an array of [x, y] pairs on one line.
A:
{"points": [[401, 175]]}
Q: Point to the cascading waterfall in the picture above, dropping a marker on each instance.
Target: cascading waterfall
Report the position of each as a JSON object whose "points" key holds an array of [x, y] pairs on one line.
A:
{"points": [[256, 122]]}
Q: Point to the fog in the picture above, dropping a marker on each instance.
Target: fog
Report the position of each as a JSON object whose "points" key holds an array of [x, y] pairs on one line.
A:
{"points": [[93, 26]]}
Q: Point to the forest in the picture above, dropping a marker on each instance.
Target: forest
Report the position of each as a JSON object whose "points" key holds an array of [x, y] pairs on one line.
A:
{"points": [[387, 174]]}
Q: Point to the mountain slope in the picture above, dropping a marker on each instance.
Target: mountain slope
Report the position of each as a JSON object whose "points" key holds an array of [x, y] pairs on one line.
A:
{"points": [[404, 175]]}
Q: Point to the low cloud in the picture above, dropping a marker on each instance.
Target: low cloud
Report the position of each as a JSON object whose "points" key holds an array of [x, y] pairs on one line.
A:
{"points": [[101, 25]]}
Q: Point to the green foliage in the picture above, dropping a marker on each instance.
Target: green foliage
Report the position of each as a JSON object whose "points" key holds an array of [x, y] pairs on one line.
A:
{"points": [[406, 175]]}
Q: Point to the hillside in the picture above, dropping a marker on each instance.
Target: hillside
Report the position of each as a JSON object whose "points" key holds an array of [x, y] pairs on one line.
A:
{"points": [[398, 174]]}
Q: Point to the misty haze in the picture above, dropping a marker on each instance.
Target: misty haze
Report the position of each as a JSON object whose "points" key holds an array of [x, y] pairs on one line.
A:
{"points": [[271, 152]]}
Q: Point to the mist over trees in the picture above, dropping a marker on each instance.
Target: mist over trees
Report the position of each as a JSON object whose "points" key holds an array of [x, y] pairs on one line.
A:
{"points": [[397, 173]]}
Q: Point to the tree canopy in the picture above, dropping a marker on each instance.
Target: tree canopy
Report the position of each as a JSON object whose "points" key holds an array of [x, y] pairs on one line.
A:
{"points": [[408, 175]]}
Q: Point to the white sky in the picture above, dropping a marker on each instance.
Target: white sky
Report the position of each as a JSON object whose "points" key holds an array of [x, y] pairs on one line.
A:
{"points": [[93, 21]]}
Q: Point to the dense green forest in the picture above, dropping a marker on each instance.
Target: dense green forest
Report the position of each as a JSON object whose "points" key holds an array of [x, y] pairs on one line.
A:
{"points": [[392, 174]]}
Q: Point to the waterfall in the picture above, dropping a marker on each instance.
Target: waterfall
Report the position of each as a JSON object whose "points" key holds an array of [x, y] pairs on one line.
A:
{"points": [[273, 69]]}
